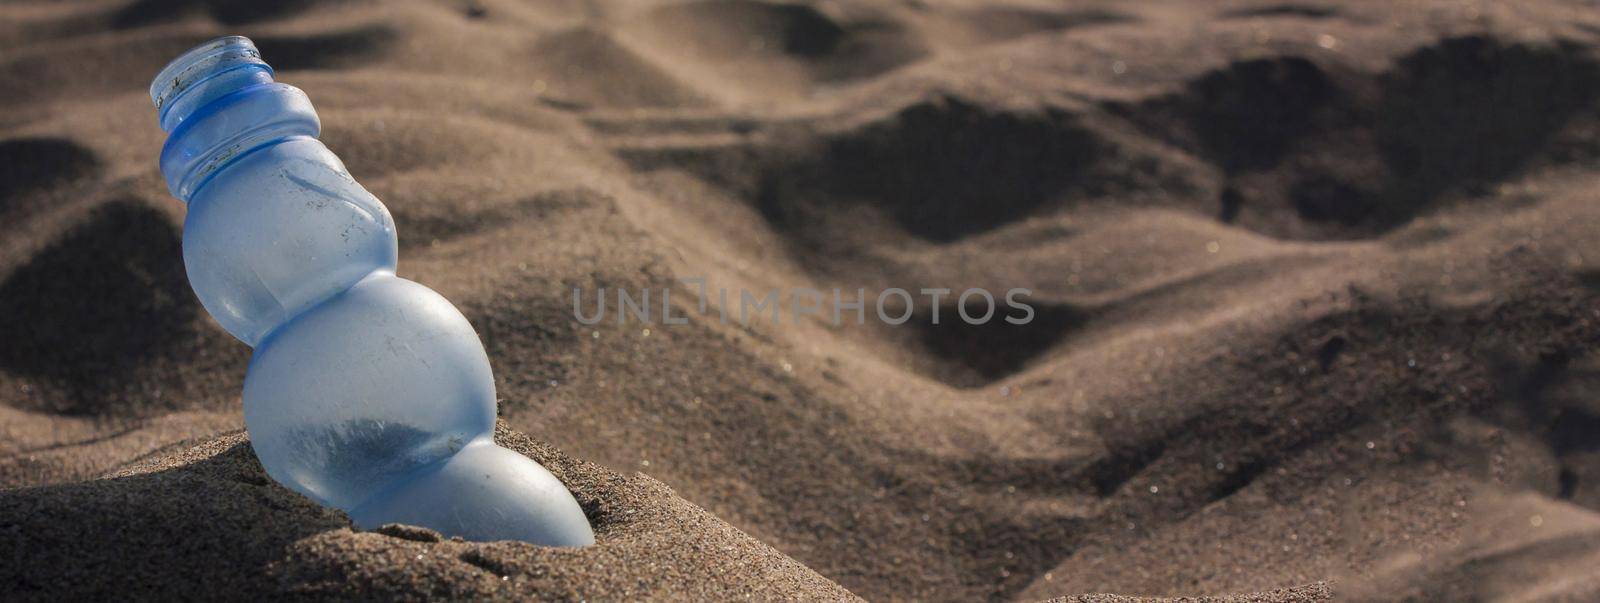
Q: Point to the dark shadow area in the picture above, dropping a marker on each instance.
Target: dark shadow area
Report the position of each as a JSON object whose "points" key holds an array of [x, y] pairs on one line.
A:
{"points": [[1000, 24], [1310, 151], [1474, 109], [212, 528], [803, 31], [1228, 205], [30, 165], [103, 299], [1552, 399], [1108, 473], [1302, 11], [1254, 119], [974, 355], [942, 169], [1324, 199], [797, 29], [1247, 115]]}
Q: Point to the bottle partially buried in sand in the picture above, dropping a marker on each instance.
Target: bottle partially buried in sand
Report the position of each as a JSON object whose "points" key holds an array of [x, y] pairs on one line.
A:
{"points": [[367, 392]]}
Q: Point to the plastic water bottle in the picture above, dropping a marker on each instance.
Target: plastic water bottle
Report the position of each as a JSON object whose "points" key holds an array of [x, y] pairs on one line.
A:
{"points": [[367, 392]]}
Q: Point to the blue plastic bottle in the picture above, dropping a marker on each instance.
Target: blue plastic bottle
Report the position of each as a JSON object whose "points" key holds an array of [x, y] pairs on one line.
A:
{"points": [[367, 392]]}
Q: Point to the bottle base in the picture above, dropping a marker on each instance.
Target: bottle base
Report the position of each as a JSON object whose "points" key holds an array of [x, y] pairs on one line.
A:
{"points": [[482, 493]]}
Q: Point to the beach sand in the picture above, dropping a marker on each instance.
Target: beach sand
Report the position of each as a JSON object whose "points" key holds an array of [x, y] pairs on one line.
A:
{"points": [[1314, 289]]}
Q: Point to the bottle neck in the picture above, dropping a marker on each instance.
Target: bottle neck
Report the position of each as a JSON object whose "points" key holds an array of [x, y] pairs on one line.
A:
{"points": [[218, 102], [203, 74]]}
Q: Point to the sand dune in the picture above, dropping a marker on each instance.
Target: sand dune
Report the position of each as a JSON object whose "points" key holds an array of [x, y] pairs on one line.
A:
{"points": [[1314, 284]]}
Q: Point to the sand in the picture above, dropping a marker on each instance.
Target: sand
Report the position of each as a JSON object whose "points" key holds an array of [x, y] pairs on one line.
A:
{"points": [[1315, 297]]}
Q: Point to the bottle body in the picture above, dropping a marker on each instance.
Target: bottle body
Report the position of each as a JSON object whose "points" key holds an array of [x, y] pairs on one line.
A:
{"points": [[283, 229], [366, 392], [378, 381]]}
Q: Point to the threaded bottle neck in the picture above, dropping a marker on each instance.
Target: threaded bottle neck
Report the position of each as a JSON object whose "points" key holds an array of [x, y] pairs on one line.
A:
{"points": [[203, 74], [218, 103]]}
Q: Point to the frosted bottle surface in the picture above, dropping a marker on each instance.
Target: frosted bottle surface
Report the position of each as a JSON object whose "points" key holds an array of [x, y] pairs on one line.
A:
{"points": [[367, 392], [282, 231], [361, 389]]}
